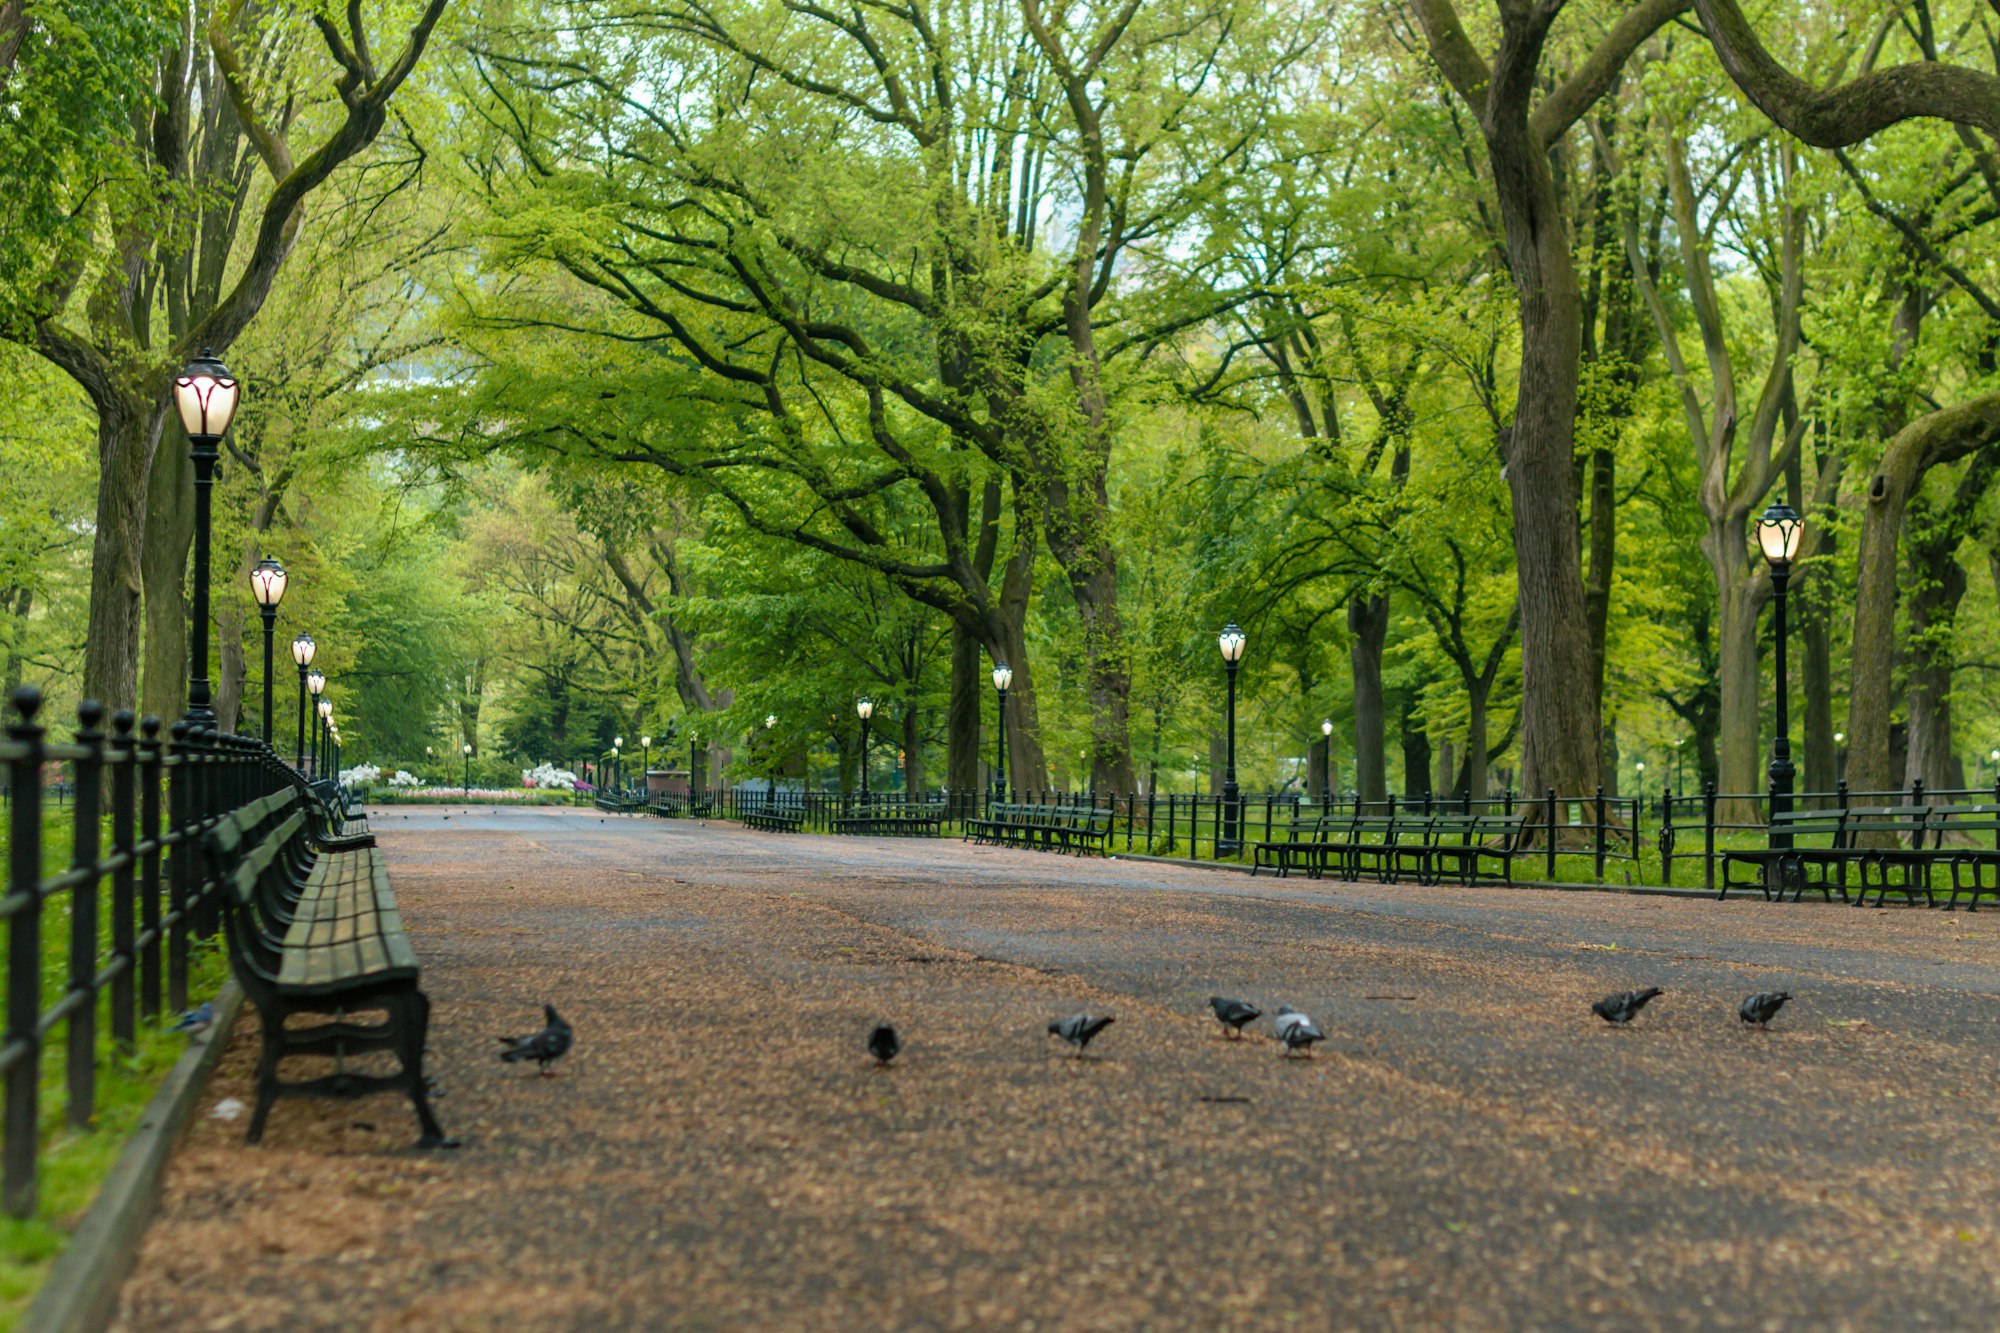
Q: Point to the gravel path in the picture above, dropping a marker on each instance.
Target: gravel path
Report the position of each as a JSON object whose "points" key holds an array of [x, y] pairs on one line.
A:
{"points": [[1470, 1149]]}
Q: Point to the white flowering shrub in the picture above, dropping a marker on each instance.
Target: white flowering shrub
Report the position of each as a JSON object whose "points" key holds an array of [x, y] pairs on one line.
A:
{"points": [[405, 778], [548, 777], [361, 775]]}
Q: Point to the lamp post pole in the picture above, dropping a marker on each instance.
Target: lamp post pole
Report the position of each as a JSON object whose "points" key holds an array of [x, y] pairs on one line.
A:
{"points": [[1778, 533], [771, 779], [468, 769], [205, 395], [1232, 642], [315, 686], [645, 764], [1326, 762], [303, 652], [267, 582], [1003, 677], [866, 708], [323, 738]]}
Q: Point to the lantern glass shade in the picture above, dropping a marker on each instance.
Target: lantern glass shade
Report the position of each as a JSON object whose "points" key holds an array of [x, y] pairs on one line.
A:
{"points": [[267, 581], [646, 741], [1232, 641], [325, 709], [1779, 532], [865, 709], [617, 741], [303, 649], [205, 395], [770, 720], [1326, 727], [316, 681], [1003, 675], [468, 747]]}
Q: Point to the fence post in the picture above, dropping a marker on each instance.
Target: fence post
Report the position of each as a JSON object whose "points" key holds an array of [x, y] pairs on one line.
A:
{"points": [[24, 956], [149, 867], [1917, 791], [124, 774], [180, 868], [81, 1060], [1708, 834], [1667, 835], [1550, 848], [1598, 836]]}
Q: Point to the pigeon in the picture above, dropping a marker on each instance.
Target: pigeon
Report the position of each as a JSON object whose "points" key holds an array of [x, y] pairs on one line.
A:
{"points": [[883, 1043], [1233, 1014], [1623, 1007], [1079, 1028], [1296, 1031], [544, 1047], [1762, 1007], [195, 1021]]}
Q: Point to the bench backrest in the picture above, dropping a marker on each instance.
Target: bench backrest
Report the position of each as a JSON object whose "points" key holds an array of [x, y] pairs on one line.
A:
{"points": [[1898, 820]]}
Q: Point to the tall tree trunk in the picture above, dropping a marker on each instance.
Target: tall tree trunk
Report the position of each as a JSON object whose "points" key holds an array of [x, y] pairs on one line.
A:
{"points": [[1416, 748], [1559, 703], [1475, 770], [128, 433], [1926, 442], [1027, 765], [169, 534], [1940, 583], [913, 753], [1368, 630], [962, 748], [1739, 720], [1317, 768]]}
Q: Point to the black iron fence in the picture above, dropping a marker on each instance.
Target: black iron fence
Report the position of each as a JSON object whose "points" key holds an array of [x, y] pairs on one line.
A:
{"points": [[1597, 830], [135, 890], [1570, 839]]}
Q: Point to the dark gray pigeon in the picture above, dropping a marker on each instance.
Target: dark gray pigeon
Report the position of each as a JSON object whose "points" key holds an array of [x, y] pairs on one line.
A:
{"points": [[1079, 1028], [883, 1043], [1234, 1014], [1762, 1007], [545, 1047], [1623, 1007], [1295, 1030]]}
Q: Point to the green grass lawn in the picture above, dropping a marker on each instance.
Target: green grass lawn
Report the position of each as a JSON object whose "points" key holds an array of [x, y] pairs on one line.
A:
{"points": [[74, 1164]]}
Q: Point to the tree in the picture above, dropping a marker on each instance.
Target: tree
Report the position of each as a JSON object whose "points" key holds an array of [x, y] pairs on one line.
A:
{"points": [[1560, 741], [124, 317]]}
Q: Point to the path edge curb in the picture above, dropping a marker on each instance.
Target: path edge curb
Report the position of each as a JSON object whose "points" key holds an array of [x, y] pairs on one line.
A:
{"points": [[80, 1293]]}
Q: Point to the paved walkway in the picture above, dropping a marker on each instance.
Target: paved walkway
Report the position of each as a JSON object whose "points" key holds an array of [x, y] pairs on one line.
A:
{"points": [[1470, 1149]]}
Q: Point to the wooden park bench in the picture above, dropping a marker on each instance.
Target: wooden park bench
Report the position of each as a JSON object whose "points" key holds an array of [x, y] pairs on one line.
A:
{"points": [[1376, 844], [1045, 828], [313, 929], [1880, 848], [896, 820], [773, 819], [1303, 846], [1975, 870], [618, 805], [1462, 845], [680, 805]]}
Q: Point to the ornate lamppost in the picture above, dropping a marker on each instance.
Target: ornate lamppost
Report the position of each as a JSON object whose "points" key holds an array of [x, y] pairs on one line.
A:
{"points": [[315, 686], [1326, 762], [468, 769], [324, 738], [1779, 532], [205, 394], [267, 583], [866, 710], [303, 652], [1003, 678], [771, 779], [1231, 641]]}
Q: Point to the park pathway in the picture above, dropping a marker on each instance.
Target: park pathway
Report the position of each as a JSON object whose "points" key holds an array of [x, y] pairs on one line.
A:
{"points": [[1470, 1149]]}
